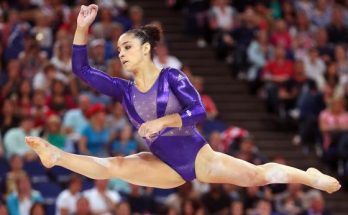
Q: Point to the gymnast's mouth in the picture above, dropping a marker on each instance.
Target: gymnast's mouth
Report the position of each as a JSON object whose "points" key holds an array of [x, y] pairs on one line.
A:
{"points": [[124, 62]]}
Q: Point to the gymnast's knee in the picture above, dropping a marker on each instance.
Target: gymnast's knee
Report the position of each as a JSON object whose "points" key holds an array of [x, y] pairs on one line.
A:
{"points": [[273, 173], [115, 169], [254, 177]]}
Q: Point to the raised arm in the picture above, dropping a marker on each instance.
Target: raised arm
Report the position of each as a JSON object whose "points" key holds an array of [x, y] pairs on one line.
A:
{"points": [[85, 18], [97, 79]]}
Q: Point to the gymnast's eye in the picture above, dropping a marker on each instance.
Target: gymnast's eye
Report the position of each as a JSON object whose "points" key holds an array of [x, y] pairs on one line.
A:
{"points": [[128, 47]]}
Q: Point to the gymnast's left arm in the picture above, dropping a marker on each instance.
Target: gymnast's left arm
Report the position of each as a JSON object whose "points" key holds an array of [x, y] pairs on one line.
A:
{"points": [[193, 109]]}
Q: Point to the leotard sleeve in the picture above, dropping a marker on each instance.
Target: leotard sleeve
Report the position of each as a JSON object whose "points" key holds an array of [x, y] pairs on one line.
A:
{"points": [[193, 109], [97, 79]]}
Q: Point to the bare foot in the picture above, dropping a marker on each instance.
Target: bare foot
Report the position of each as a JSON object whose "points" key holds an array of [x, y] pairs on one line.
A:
{"points": [[49, 154], [323, 182]]}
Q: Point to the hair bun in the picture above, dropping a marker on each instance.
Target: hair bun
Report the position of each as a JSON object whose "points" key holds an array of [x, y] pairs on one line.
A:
{"points": [[153, 31]]}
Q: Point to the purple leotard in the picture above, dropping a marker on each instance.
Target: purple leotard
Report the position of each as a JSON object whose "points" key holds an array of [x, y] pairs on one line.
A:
{"points": [[171, 93]]}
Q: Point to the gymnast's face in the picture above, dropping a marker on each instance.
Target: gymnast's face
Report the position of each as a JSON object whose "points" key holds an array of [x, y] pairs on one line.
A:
{"points": [[132, 53]]}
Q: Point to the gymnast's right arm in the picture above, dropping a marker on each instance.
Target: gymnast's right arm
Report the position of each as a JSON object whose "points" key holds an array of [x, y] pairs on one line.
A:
{"points": [[94, 78], [97, 79]]}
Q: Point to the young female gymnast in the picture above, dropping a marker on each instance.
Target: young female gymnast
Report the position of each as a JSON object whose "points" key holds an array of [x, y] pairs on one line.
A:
{"points": [[164, 107]]}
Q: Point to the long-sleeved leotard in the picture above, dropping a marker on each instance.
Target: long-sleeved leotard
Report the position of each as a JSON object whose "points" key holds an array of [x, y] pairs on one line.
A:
{"points": [[171, 93]]}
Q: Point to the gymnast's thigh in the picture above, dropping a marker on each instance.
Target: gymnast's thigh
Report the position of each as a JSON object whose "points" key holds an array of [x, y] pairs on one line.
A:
{"points": [[145, 169]]}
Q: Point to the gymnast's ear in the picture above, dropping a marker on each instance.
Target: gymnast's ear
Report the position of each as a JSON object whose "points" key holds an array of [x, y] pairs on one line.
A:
{"points": [[146, 48]]}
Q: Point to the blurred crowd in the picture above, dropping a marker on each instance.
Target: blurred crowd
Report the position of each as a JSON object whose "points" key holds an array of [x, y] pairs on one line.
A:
{"points": [[292, 53]]}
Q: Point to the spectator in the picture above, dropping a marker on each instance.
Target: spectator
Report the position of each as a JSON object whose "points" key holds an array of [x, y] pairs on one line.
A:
{"points": [[259, 51], [61, 58], [291, 201], [115, 68], [316, 204], [14, 139], [190, 207], [232, 137], [216, 142], [237, 208], [163, 59], [117, 120], [281, 36], [332, 82], [309, 105], [111, 52], [336, 29], [141, 200], [263, 207], [249, 152], [345, 94], [32, 58], [334, 127], [43, 32], [75, 120], [324, 48], [8, 117], [60, 99], [3, 209], [302, 35], [24, 100], [233, 46], [136, 15], [39, 109], [222, 16], [176, 199], [103, 28], [53, 133], [321, 15], [276, 73], [20, 202], [95, 136], [216, 200], [101, 199], [125, 145], [251, 196], [68, 200], [26, 9], [83, 207], [291, 89], [288, 12], [342, 64], [15, 173], [44, 78], [97, 57], [37, 209], [207, 101], [12, 80], [14, 32], [123, 208], [315, 67]]}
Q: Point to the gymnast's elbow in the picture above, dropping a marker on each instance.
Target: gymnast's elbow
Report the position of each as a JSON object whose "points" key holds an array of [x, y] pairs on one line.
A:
{"points": [[194, 115], [79, 69], [201, 113]]}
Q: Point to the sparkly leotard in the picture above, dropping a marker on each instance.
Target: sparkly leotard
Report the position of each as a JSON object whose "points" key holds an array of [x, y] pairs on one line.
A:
{"points": [[171, 93]]}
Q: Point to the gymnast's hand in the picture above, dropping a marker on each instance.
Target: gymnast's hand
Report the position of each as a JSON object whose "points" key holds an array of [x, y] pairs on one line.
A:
{"points": [[87, 15], [150, 128]]}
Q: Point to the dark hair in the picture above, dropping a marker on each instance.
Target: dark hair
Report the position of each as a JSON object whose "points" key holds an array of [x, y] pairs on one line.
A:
{"points": [[148, 34]]}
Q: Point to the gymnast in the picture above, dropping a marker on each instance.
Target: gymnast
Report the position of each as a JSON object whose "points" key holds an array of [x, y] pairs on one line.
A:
{"points": [[163, 105]]}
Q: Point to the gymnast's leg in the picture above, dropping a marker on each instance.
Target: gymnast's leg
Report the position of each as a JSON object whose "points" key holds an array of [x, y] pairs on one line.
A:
{"points": [[142, 169], [215, 167]]}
